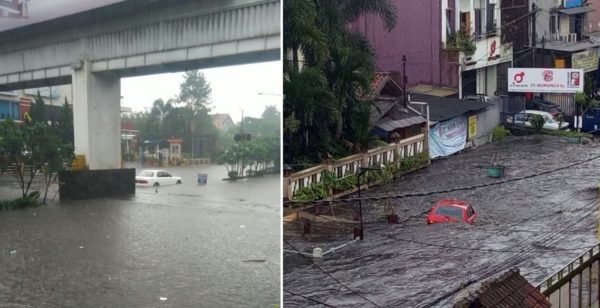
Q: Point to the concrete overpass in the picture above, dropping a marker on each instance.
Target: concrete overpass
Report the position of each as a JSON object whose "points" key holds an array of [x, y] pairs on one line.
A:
{"points": [[92, 50]]}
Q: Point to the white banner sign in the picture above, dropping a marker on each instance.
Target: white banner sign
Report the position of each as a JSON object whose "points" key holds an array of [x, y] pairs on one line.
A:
{"points": [[545, 80]]}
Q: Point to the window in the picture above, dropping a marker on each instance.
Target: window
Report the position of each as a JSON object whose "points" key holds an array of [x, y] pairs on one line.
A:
{"points": [[490, 21], [450, 211], [470, 212], [465, 22], [478, 22], [553, 24], [147, 173], [450, 22]]}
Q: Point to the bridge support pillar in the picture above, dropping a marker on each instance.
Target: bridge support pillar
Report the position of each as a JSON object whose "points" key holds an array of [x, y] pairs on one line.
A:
{"points": [[97, 117]]}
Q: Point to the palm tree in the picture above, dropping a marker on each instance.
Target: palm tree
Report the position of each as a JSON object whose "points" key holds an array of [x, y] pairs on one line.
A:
{"points": [[322, 104], [308, 97], [160, 111]]}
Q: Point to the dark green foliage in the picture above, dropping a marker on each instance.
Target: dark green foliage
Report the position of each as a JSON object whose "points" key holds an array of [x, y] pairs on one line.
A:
{"points": [[537, 123], [63, 128], [20, 203], [260, 155], [187, 118], [37, 112], [321, 190], [327, 77], [500, 133], [30, 149]]}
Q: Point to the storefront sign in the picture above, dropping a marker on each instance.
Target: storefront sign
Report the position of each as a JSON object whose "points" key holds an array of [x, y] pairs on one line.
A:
{"points": [[573, 3], [587, 60], [448, 137], [472, 126], [543, 80], [489, 51]]}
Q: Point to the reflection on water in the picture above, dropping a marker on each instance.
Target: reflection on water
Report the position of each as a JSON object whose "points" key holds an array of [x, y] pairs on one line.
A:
{"points": [[188, 243]]}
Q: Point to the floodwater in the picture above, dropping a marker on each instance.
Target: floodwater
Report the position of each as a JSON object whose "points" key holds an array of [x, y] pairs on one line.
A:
{"points": [[186, 245], [538, 224]]}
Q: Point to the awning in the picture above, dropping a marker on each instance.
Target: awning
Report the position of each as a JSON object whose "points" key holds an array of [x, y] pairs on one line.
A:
{"points": [[576, 10]]}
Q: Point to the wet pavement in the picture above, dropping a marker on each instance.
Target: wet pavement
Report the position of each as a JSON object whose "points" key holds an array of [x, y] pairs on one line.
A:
{"points": [[538, 224], [186, 245]]}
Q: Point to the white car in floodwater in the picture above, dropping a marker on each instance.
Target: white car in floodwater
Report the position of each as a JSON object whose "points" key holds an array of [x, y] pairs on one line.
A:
{"points": [[550, 122], [156, 178]]}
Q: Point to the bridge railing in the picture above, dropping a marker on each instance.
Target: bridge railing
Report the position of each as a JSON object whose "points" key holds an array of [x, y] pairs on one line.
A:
{"points": [[577, 284], [348, 166]]}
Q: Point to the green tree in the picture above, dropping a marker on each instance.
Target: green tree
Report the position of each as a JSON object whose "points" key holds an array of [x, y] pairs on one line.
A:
{"points": [[30, 149], [37, 112], [195, 93], [309, 99], [161, 110], [64, 126], [261, 153], [324, 107], [585, 103]]}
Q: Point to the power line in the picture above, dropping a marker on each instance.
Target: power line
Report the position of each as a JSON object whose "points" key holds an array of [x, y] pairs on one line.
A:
{"points": [[309, 298], [431, 193], [508, 262], [326, 273]]}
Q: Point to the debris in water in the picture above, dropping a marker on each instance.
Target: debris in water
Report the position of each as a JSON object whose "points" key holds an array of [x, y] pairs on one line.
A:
{"points": [[163, 298], [242, 226], [80, 247], [13, 252], [255, 261]]}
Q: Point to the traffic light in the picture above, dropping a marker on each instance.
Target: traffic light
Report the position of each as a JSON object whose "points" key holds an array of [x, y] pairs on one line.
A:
{"points": [[242, 137]]}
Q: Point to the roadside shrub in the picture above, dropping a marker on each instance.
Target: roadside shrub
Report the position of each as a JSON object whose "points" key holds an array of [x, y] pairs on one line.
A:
{"points": [[537, 123], [232, 175], [411, 163], [29, 201], [500, 133]]}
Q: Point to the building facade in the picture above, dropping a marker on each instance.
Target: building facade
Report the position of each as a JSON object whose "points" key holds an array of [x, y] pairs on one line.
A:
{"points": [[417, 36], [473, 28]]}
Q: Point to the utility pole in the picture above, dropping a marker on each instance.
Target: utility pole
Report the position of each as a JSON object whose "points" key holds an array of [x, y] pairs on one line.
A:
{"points": [[534, 10], [404, 79]]}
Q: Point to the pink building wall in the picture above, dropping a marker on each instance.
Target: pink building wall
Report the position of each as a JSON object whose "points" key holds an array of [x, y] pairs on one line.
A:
{"points": [[593, 18], [418, 36]]}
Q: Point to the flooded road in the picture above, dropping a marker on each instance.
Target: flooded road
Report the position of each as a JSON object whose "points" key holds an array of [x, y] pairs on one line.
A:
{"points": [[186, 245], [538, 224]]}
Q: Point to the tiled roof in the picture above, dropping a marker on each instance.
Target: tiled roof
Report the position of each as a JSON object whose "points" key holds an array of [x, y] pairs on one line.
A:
{"points": [[509, 290], [379, 81]]}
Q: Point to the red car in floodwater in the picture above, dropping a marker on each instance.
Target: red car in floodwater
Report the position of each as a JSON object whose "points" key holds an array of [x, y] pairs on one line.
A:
{"points": [[451, 210]]}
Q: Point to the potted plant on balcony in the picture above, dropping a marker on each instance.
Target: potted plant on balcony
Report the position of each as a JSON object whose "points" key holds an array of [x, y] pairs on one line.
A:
{"points": [[461, 41]]}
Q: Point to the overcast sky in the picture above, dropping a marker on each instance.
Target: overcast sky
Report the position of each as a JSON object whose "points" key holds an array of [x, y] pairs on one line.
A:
{"points": [[233, 88], [42, 10]]}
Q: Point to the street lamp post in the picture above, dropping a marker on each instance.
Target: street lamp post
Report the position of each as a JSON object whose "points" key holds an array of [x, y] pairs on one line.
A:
{"points": [[361, 171]]}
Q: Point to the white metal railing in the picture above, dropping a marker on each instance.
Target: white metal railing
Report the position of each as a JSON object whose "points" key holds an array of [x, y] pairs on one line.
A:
{"points": [[577, 284], [349, 165]]}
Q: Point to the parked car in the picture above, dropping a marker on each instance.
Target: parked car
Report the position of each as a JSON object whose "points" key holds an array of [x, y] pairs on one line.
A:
{"points": [[546, 106], [451, 210], [156, 178], [550, 122]]}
